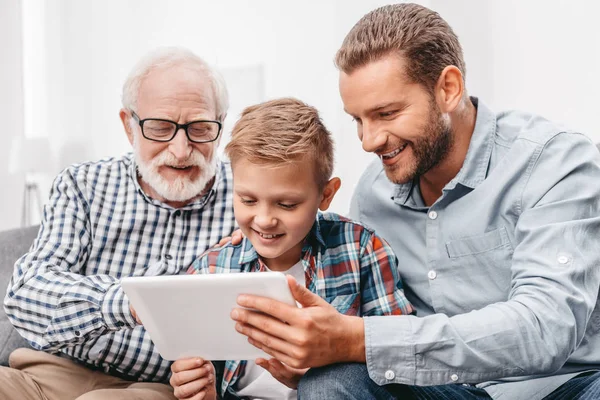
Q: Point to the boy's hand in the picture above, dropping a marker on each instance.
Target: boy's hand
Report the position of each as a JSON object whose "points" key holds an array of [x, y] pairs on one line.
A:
{"points": [[235, 238], [134, 315], [287, 375], [193, 379]]}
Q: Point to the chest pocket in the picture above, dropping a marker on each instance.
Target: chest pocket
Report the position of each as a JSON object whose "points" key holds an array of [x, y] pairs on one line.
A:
{"points": [[348, 304], [481, 261]]}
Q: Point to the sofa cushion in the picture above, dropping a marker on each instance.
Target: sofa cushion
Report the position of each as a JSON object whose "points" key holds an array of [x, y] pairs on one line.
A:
{"points": [[13, 244]]}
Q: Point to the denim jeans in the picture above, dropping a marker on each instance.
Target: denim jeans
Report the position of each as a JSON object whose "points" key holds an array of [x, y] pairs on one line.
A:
{"points": [[351, 381]]}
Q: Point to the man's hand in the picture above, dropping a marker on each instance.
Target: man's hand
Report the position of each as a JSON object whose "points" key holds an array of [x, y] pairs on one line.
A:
{"points": [[311, 336], [235, 238], [287, 375], [193, 379], [134, 315]]}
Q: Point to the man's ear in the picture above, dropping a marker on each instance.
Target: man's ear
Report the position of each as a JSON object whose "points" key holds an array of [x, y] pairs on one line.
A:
{"points": [[329, 192], [449, 89], [125, 118]]}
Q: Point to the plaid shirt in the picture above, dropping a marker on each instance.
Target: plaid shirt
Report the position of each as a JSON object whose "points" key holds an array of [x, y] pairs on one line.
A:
{"points": [[98, 227], [344, 262]]}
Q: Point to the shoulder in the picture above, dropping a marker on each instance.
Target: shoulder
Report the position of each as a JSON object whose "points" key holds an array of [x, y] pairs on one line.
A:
{"points": [[513, 126], [83, 179], [337, 230], [372, 174], [219, 258], [93, 172]]}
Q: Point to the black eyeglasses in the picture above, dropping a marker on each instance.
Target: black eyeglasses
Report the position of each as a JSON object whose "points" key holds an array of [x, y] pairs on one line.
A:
{"points": [[163, 130]]}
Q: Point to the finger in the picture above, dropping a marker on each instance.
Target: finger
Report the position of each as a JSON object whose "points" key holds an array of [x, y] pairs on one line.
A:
{"points": [[280, 369], [296, 362], [248, 319], [184, 377], [224, 241], [302, 295], [270, 307], [193, 388], [200, 395], [236, 237], [184, 364]]}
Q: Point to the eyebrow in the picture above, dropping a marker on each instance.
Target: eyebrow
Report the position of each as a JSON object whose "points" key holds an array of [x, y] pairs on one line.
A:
{"points": [[295, 196], [380, 107]]}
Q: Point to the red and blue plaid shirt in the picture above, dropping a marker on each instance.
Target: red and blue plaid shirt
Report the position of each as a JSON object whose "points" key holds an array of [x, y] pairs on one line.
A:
{"points": [[345, 263]]}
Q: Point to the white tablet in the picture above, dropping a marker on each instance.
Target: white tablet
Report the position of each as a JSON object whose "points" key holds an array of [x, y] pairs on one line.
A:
{"points": [[188, 315]]}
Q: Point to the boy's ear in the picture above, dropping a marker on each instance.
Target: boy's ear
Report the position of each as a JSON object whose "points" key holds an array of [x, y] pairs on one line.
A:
{"points": [[329, 192]]}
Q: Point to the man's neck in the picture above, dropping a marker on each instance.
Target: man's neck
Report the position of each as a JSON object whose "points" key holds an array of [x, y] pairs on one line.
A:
{"points": [[462, 125]]}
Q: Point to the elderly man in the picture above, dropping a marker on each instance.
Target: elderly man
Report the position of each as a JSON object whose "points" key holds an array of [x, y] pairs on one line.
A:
{"points": [[495, 219], [148, 213]]}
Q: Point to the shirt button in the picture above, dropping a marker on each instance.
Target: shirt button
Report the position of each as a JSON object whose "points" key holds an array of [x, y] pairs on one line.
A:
{"points": [[389, 375], [454, 377], [563, 259], [77, 333], [432, 215], [168, 256], [432, 275]]}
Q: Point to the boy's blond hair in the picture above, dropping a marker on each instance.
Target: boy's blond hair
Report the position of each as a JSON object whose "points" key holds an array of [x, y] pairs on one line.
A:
{"points": [[283, 131]]}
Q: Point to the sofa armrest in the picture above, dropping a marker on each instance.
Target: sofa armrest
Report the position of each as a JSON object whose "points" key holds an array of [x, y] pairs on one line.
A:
{"points": [[13, 244]]}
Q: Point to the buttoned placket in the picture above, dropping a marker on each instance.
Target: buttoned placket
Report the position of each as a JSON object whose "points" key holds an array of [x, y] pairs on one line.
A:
{"points": [[431, 238], [169, 252]]}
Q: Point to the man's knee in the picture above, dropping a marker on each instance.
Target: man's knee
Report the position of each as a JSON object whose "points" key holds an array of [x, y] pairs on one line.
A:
{"points": [[339, 381], [15, 384], [19, 356]]}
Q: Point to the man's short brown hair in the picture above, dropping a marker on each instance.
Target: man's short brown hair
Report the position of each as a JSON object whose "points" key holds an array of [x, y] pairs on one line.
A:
{"points": [[283, 131], [417, 34]]}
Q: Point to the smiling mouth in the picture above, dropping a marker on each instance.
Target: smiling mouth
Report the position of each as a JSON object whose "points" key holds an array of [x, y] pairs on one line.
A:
{"points": [[180, 167], [392, 154], [265, 236]]}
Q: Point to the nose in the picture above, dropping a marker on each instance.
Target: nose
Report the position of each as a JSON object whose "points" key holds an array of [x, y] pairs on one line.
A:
{"points": [[264, 218], [372, 138], [180, 146]]}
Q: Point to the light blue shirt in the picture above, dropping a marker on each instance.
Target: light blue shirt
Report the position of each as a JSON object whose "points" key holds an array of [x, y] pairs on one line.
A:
{"points": [[503, 269]]}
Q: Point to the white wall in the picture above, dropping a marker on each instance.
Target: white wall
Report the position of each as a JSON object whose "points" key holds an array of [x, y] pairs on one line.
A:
{"points": [[292, 43], [11, 110], [535, 55]]}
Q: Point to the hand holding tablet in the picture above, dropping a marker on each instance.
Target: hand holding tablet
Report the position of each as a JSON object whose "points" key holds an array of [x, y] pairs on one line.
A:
{"points": [[188, 315]]}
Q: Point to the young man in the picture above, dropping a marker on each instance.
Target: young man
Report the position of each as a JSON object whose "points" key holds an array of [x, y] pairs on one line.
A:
{"points": [[146, 213], [496, 218], [282, 161]]}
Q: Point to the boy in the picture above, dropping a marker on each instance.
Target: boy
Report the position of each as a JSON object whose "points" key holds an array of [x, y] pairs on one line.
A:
{"points": [[282, 160]]}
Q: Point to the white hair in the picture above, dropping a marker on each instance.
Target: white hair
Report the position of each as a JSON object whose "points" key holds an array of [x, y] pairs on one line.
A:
{"points": [[170, 56]]}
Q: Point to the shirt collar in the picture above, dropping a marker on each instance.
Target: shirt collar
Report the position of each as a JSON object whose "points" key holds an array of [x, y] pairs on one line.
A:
{"points": [[477, 160], [197, 204], [314, 238]]}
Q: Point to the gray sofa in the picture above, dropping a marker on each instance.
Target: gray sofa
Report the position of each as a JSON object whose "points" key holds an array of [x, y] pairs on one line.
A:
{"points": [[13, 244]]}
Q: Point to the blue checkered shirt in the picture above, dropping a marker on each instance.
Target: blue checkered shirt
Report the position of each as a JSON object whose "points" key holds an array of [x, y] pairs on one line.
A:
{"points": [[98, 227]]}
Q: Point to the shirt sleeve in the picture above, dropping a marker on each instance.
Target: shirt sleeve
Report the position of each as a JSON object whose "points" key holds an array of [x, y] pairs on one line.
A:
{"points": [[555, 282], [381, 287], [49, 301]]}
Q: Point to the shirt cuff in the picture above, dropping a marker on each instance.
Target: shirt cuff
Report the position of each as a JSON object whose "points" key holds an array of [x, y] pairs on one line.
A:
{"points": [[115, 309], [390, 352]]}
